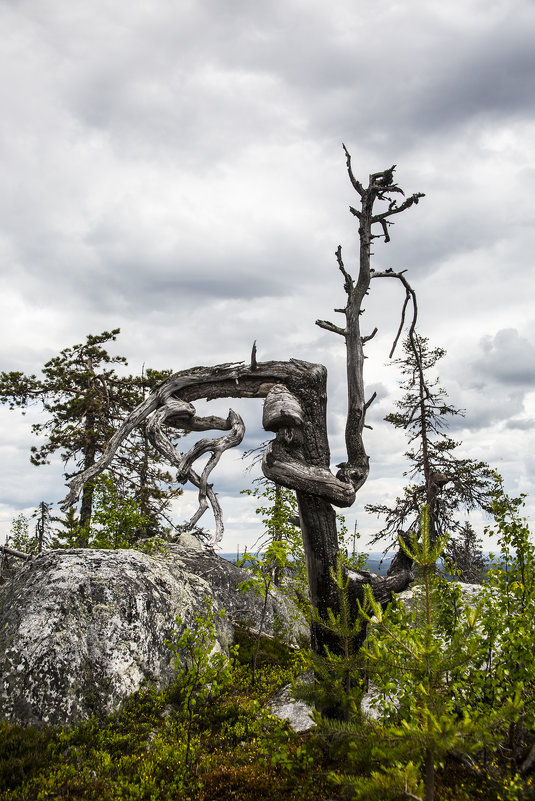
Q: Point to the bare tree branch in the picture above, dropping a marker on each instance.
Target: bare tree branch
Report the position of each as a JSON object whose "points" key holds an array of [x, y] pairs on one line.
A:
{"points": [[13, 552], [184, 462], [355, 184], [349, 283], [410, 296], [335, 329], [370, 336], [370, 401], [395, 209]]}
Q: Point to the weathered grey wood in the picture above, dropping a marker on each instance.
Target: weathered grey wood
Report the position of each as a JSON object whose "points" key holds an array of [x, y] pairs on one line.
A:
{"points": [[281, 408], [304, 447], [13, 552], [298, 475], [381, 186], [295, 409], [173, 409]]}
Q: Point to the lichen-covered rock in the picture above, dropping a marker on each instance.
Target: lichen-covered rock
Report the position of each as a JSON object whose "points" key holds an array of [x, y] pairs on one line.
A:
{"points": [[413, 597], [80, 630], [284, 706]]}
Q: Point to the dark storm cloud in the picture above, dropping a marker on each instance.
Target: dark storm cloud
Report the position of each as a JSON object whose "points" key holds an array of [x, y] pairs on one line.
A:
{"points": [[490, 74], [247, 68], [181, 79], [148, 288], [394, 73]]}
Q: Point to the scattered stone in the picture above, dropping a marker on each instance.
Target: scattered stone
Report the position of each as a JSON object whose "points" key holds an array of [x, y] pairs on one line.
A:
{"points": [[298, 714]]}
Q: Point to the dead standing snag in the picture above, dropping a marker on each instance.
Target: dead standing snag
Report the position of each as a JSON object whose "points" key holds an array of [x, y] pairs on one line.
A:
{"points": [[295, 410]]}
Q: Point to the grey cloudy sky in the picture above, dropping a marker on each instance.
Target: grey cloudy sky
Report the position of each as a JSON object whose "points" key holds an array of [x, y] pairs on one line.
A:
{"points": [[175, 169]]}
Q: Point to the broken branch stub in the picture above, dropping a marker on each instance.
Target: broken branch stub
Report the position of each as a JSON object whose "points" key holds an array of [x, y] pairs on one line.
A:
{"points": [[281, 408]]}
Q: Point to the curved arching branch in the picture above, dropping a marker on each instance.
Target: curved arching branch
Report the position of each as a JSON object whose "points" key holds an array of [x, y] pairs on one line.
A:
{"points": [[297, 475], [136, 417], [410, 297], [296, 393], [174, 408], [208, 496]]}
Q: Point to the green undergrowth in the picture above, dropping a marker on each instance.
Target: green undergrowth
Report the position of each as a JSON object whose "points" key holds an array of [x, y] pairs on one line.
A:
{"points": [[211, 736], [239, 750]]}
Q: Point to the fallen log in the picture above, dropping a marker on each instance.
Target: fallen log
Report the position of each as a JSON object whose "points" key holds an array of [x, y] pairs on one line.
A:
{"points": [[13, 552]]}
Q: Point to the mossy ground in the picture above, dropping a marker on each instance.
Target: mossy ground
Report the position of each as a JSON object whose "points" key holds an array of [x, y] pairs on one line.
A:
{"points": [[239, 751]]}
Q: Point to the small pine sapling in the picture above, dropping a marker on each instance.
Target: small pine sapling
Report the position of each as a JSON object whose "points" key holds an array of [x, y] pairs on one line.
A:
{"points": [[506, 665], [339, 678], [262, 572], [413, 662]]}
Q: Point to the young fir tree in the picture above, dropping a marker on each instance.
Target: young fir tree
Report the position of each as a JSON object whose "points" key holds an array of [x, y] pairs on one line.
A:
{"points": [[280, 524], [30, 539], [277, 564], [203, 672], [84, 398], [339, 677], [262, 569], [419, 666], [138, 472], [464, 555], [117, 519], [20, 538], [444, 481], [43, 525]]}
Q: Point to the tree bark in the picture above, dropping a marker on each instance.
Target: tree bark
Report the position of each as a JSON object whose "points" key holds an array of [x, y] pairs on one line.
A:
{"points": [[295, 409], [298, 458]]}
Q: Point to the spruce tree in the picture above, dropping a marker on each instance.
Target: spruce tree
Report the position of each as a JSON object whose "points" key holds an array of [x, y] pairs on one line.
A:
{"points": [[444, 481], [280, 520], [464, 555]]}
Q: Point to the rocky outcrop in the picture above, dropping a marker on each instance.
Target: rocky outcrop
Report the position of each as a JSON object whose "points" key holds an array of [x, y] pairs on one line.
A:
{"points": [[80, 630]]}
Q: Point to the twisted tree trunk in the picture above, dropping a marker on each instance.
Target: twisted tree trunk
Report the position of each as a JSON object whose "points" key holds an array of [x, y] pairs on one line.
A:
{"points": [[298, 458], [295, 410]]}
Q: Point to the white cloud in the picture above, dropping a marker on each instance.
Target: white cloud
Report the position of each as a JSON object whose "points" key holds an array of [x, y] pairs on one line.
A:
{"points": [[176, 170]]}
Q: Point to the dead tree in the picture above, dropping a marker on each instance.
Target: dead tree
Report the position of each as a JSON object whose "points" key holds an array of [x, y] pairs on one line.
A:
{"points": [[295, 407]]}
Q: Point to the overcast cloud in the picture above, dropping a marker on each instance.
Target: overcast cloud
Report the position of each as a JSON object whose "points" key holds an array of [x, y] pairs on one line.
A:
{"points": [[175, 169]]}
